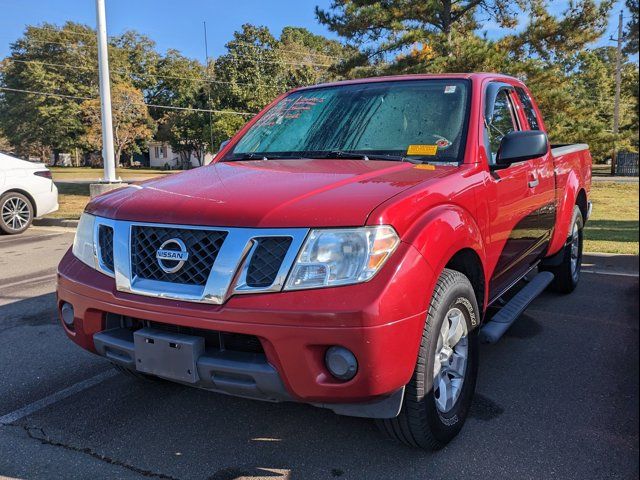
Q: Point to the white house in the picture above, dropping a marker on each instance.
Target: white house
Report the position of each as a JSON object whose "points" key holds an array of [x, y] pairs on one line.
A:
{"points": [[161, 155]]}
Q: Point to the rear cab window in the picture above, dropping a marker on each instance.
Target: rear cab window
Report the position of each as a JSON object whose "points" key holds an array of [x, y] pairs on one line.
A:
{"points": [[529, 110]]}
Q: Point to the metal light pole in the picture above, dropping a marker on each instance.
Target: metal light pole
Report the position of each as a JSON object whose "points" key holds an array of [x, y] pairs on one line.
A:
{"points": [[105, 96], [616, 105]]}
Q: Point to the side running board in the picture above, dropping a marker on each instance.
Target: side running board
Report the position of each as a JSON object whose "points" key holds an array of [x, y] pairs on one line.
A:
{"points": [[501, 321]]}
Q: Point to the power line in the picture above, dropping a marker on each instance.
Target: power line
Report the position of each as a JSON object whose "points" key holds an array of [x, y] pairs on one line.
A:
{"points": [[131, 74], [232, 54], [150, 105], [300, 52], [233, 42]]}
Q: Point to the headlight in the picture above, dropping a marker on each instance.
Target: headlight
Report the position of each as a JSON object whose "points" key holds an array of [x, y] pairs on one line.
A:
{"points": [[342, 256], [83, 243]]}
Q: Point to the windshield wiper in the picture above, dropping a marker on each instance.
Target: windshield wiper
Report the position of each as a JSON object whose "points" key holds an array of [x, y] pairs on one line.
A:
{"points": [[367, 156], [247, 156], [343, 154]]}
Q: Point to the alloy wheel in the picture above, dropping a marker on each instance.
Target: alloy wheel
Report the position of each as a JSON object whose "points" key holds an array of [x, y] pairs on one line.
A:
{"points": [[450, 361], [16, 213]]}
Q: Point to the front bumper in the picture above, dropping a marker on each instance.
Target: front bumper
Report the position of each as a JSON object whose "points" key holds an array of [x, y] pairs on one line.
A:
{"points": [[380, 321]]}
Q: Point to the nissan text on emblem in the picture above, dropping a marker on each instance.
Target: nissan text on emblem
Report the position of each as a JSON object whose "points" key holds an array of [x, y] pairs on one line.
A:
{"points": [[171, 255]]}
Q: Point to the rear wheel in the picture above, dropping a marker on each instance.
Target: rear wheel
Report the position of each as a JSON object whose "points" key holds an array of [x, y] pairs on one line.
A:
{"points": [[439, 395], [16, 213], [567, 273]]}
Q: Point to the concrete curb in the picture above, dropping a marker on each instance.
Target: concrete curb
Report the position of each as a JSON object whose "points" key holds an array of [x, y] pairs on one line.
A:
{"points": [[55, 222]]}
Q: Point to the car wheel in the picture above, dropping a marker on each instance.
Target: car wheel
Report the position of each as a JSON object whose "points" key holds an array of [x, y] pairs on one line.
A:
{"points": [[439, 395], [567, 273], [16, 213]]}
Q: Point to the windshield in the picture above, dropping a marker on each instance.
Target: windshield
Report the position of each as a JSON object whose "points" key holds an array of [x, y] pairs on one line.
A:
{"points": [[417, 119]]}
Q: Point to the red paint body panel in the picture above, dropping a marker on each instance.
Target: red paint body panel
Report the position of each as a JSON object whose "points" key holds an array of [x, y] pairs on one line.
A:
{"points": [[272, 193], [437, 212], [376, 320]]}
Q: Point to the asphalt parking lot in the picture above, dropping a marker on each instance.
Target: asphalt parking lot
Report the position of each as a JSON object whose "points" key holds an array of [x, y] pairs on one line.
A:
{"points": [[556, 398]]}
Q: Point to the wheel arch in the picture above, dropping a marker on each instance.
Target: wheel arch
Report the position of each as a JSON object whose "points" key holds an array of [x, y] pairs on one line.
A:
{"points": [[449, 237], [581, 201], [468, 262], [564, 214]]}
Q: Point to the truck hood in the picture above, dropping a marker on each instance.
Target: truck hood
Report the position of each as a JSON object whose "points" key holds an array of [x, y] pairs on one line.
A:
{"points": [[268, 193]]}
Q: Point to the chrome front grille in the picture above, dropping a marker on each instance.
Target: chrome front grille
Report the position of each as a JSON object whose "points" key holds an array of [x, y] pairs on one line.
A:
{"points": [[266, 259], [203, 247], [105, 247], [221, 262]]}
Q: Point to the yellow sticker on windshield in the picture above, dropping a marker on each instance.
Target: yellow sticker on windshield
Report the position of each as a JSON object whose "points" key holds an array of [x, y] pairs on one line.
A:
{"points": [[422, 150], [425, 166]]}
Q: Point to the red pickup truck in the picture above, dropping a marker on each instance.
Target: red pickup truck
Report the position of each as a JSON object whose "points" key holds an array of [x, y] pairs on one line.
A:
{"points": [[349, 248]]}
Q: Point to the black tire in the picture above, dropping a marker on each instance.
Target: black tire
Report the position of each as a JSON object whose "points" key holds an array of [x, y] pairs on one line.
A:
{"points": [[420, 422], [22, 206], [137, 375], [567, 273]]}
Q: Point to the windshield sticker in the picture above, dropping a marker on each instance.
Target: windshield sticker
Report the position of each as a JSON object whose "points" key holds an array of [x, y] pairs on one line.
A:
{"points": [[443, 143], [422, 150], [425, 166], [450, 89]]}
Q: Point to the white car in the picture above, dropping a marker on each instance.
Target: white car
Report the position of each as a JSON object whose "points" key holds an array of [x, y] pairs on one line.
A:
{"points": [[26, 191]]}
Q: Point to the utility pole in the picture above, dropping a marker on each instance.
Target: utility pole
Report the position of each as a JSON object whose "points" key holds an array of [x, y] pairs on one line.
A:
{"points": [[616, 105], [108, 155]]}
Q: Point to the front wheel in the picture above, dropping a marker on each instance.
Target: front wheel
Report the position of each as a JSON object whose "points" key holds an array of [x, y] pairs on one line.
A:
{"points": [[439, 395]]}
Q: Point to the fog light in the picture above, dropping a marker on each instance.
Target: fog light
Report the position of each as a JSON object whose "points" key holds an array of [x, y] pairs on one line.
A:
{"points": [[68, 315], [341, 363]]}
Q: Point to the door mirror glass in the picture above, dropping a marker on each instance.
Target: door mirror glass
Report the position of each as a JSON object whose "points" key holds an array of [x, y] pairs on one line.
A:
{"points": [[521, 146]]}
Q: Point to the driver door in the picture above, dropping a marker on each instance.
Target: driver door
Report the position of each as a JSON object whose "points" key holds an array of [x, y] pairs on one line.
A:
{"points": [[512, 210]]}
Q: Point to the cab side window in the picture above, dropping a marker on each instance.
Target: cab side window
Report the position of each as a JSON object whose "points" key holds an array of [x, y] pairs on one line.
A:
{"points": [[529, 111], [503, 122]]}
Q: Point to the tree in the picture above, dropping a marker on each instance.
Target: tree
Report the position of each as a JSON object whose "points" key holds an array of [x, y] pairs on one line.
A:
{"points": [[51, 59], [310, 59], [251, 73], [554, 38], [5, 146], [182, 84], [392, 26], [631, 35], [132, 123], [60, 63]]}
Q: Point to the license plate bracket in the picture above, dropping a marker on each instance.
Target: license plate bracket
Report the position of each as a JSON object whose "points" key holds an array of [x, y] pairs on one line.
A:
{"points": [[166, 354]]}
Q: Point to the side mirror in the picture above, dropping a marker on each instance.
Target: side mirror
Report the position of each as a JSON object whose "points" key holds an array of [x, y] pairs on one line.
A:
{"points": [[520, 146], [224, 144]]}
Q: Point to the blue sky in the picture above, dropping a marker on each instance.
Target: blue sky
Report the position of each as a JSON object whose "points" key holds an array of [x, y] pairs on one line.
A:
{"points": [[178, 24]]}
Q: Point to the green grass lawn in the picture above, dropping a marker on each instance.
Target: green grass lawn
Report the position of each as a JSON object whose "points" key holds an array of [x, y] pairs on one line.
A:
{"points": [[72, 198], [613, 227]]}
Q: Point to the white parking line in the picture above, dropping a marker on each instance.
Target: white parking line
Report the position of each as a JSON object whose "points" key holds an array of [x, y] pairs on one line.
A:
{"points": [[55, 397], [614, 274], [43, 278]]}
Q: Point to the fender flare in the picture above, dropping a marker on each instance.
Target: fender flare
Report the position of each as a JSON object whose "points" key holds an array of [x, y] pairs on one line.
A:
{"points": [[442, 232], [564, 214]]}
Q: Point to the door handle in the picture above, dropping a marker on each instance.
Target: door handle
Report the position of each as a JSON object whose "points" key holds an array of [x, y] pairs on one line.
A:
{"points": [[534, 183]]}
